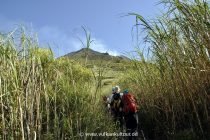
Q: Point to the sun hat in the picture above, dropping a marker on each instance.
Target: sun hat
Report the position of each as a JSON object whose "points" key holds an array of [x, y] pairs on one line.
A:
{"points": [[117, 89]]}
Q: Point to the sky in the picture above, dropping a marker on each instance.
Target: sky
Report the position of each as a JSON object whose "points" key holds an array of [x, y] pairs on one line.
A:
{"points": [[57, 23]]}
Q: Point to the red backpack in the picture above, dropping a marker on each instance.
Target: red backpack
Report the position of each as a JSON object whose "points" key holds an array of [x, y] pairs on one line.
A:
{"points": [[129, 102]]}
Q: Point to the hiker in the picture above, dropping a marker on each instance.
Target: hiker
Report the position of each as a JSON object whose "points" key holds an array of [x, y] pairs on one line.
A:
{"points": [[105, 102], [116, 106], [130, 112], [109, 100]]}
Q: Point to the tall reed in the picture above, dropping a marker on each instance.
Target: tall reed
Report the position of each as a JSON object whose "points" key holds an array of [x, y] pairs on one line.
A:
{"points": [[45, 98], [173, 82]]}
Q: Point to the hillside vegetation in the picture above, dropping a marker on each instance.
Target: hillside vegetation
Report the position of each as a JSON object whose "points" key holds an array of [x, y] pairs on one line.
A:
{"points": [[106, 69], [46, 98]]}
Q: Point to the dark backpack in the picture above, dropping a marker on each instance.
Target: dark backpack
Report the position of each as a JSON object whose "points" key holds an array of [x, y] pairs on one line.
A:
{"points": [[116, 102], [130, 104]]}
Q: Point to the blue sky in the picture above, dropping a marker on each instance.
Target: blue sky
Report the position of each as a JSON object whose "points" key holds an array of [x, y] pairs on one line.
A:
{"points": [[58, 22]]}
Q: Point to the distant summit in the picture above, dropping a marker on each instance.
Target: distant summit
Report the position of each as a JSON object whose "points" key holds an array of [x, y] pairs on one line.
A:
{"points": [[94, 55]]}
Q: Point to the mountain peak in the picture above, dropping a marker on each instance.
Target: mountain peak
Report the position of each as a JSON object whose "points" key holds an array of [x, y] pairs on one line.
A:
{"points": [[93, 55]]}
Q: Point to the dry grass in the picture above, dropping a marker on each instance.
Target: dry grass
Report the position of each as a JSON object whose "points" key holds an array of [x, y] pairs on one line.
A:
{"points": [[45, 98], [173, 83]]}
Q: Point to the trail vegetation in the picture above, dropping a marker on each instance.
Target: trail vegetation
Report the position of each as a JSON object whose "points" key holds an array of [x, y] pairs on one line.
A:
{"points": [[46, 98], [172, 78], [43, 97]]}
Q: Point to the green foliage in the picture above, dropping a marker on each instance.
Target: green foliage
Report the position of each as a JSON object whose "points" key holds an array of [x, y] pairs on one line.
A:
{"points": [[172, 84], [45, 98]]}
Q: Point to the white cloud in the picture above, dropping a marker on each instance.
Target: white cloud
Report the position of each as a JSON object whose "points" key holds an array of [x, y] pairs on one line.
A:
{"points": [[63, 43], [60, 41], [97, 45], [100, 46]]}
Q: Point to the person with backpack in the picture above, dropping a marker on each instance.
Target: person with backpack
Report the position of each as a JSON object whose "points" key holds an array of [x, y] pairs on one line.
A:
{"points": [[130, 112], [109, 100], [117, 106], [105, 100]]}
